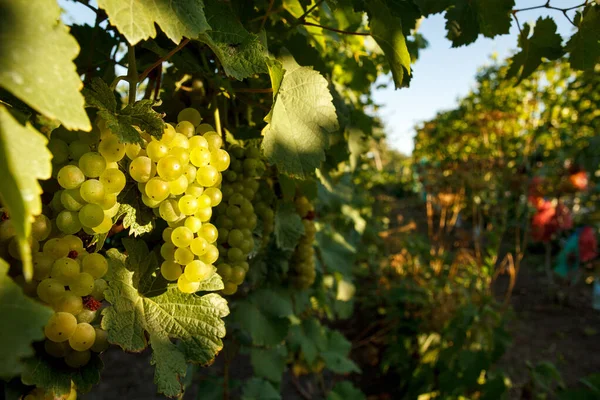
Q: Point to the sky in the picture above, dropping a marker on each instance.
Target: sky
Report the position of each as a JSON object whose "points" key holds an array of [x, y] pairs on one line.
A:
{"points": [[441, 75]]}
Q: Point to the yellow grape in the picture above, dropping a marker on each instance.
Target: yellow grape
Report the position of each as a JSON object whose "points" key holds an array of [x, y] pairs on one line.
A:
{"points": [[64, 270], [157, 189], [150, 202], [197, 271], [68, 302], [215, 196], [204, 128], [169, 168], [167, 251], [185, 128], [168, 134], [179, 185], [180, 141], [182, 236], [194, 190], [186, 286], [193, 224], [101, 341], [169, 210], [198, 141], [190, 173], [113, 180], [207, 175], [156, 150], [92, 164], [82, 284], [111, 149], [199, 246], [83, 337], [200, 156], [214, 140], [142, 169], [211, 255], [132, 150], [203, 214], [219, 159], [183, 256], [94, 264], [209, 232], [166, 235], [50, 290], [60, 327], [170, 270], [92, 191], [191, 115], [181, 153], [188, 204]]}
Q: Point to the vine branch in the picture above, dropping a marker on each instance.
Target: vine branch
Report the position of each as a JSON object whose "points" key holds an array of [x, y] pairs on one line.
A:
{"points": [[335, 30], [158, 62], [303, 16], [264, 20], [549, 7], [132, 75]]}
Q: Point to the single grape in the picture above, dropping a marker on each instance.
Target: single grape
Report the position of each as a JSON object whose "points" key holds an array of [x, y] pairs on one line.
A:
{"points": [[169, 210], [204, 201], [186, 286], [193, 223], [225, 271], [167, 251], [59, 150], [235, 254], [179, 185], [191, 115], [92, 191], [166, 235], [168, 134], [132, 150], [156, 150], [203, 214], [200, 156], [169, 168], [157, 189], [198, 141], [100, 285], [70, 177], [229, 289], [204, 128], [180, 141], [182, 236], [108, 201], [211, 255], [181, 153], [41, 227], [207, 175], [183, 256], [77, 359], [60, 327], [170, 270], [82, 284], [83, 337], [77, 149], [142, 169], [68, 302], [219, 159], [86, 316], [150, 202], [64, 270], [42, 265], [190, 173], [185, 128], [68, 222], [91, 215], [238, 274], [209, 232], [94, 264], [188, 204], [56, 350], [50, 289], [111, 149], [105, 226], [71, 199], [197, 271], [194, 190], [236, 237], [101, 341], [214, 140], [198, 246], [113, 180], [214, 195]]}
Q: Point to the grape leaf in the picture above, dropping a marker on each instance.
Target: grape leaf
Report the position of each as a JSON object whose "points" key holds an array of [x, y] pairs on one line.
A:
{"points": [[97, 45], [269, 363], [55, 376], [429, 7], [544, 43], [143, 304], [288, 226], [135, 216], [584, 45], [301, 119], [275, 302], [336, 253], [19, 187], [466, 19], [36, 53], [336, 354], [259, 389], [264, 329], [136, 19], [20, 314], [123, 122], [345, 391], [240, 52], [310, 338]]}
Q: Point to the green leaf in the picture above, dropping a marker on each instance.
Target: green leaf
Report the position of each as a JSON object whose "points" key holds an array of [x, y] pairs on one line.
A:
{"points": [[240, 52], [345, 391], [336, 354], [138, 218], [336, 253], [177, 18], [584, 45], [143, 304], [24, 320], [544, 43], [19, 187], [123, 122], [301, 119], [386, 29], [310, 337], [97, 44], [429, 7], [288, 226], [269, 363], [55, 376], [275, 302], [264, 329], [36, 63], [259, 389], [468, 18]]}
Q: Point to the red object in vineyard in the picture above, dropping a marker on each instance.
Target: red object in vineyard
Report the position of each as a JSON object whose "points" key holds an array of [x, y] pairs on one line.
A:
{"points": [[588, 246], [550, 219], [579, 180]]}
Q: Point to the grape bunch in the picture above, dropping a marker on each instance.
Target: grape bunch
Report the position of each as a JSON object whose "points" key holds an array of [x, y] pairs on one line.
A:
{"points": [[303, 259], [90, 180], [236, 216], [263, 206], [69, 279], [179, 178]]}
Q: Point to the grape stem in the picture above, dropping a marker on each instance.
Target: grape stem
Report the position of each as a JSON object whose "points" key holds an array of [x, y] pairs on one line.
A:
{"points": [[132, 75]]}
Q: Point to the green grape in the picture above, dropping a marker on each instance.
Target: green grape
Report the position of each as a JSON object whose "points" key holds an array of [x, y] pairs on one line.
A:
{"points": [[68, 302], [186, 286], [142, 169], [225, 271], [86, 316], [91, 215], [77, 359], [111, 149], [71, 199], [77, 149], [236, 199], [94, 264], [92, 191], [200, 156], [204, 201], [168, 134], [157, 189], [214, 140], [7, 230], [169, 210], [56, 248], [41, 227], [182, 236], [236, 237], [233, 212], [223, 236], [59, 150], [207, 175], [198, 246], [100, 287], [188, 204], [180, 141], [214, 195], [166, 235], [82, 284], [68, 222], [209, 232], [156, 150], [185, 128], [238, 274], [167, 251], [197, 271], [252, 152], [113, 180], [42, 265], [60, 327], [224, 222], [235, 254], [179, 185], [198, 141], [150, 202], [70, 177], [105, 226], [108, 201], [193, 224], [211, 255], [132, 150], [169, 168], [101, 341], [111, 212], [203, 214], [194, 190], [170, 270], [204, 128], [56, 350], [230, 288], [183, 256], [190, 174], [247, 246], [181, 153], [83, 337], [64, 270], [191, 115], [219, 159]]}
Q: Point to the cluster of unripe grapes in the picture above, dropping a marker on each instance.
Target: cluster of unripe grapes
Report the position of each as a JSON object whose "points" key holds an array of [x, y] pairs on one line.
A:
{"points": [[179, 177], [303, 260], [236, 216], [90, 180]]}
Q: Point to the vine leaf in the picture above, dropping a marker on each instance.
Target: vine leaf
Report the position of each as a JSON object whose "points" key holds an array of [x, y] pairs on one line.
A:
{"points": [[336, 253], [20, 314], [544, 43], [36, 61], [584, 45], [345, 391], [97, 45], [259, 389], [241, 53], [336, 354], [269, 363], [288, 226], [123, 122], [265, 329], [309, 337], [143, 304], [135, 215], [136, 19], [466, 19], [429, 7], [301, 119], [19, 187]]}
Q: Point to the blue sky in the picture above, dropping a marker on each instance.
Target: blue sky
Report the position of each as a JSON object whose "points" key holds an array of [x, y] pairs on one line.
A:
{"points": [[441, 74]]}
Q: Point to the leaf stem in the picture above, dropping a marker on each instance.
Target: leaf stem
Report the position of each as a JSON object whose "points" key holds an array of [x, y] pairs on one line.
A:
{"points": [[115, 81], [264, 20], [335, 30], [132, 75], [303, 16], [164, 58]]}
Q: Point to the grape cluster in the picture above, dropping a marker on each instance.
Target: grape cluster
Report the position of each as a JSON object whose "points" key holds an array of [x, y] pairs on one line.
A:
{"points": [[303, 259], [88, 173], [69, 279], [179, 177], [236, 216]]}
